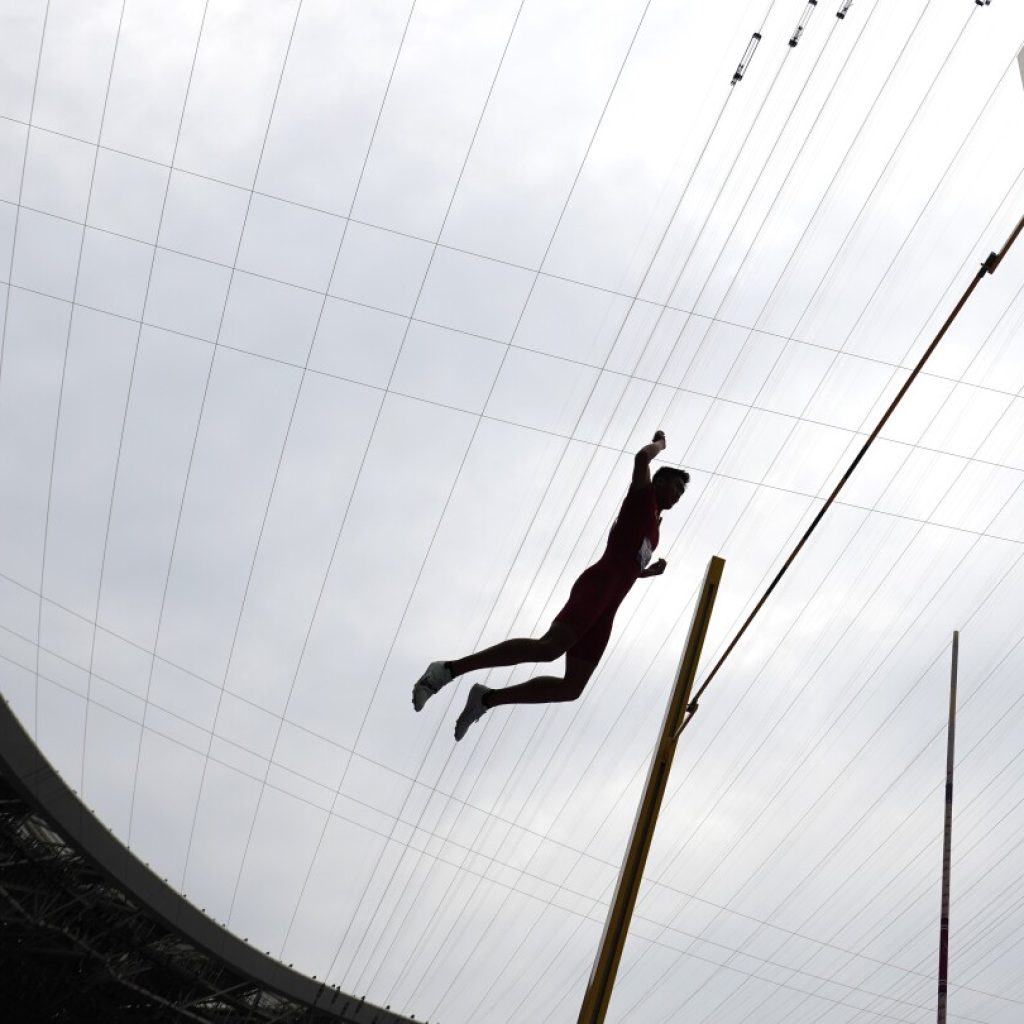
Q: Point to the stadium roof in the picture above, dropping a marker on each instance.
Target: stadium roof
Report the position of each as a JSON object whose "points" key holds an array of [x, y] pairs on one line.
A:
{"points": [[89, 932]]}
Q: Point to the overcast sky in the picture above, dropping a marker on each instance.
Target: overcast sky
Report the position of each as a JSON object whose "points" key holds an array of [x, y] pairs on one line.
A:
{"points": [[329, 332]]}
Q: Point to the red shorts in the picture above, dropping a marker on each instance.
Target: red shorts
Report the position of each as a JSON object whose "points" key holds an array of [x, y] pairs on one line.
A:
{"points": [[590, 611]]}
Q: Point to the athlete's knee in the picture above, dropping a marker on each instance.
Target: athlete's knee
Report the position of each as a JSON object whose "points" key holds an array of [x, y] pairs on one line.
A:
{"points": [[577, 675], [573, 688]]}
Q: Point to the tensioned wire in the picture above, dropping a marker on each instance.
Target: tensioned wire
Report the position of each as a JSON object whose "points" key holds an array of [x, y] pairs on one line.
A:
{"points": [[423, 878], [900, 640], [824, 792], [555, 356], [964, 863], [965, 963], [21, 192], [64, 368], [305, 206], [776, 985], [399, 929], [891, 880], [527, 895], [853, 465], [982, 815], [926, 932], [172, 739], [65, 359], [124, 421], [1000, 951], [761, 1008], [589, 285], [793, 775], [67, 336], [666, 231], [892, 835], [890, 514], [554, 233], [935, 661], [240, 771], [976, 281], [165, 197], [770, 981], [926, 887], [205, 396], [7, 306], [284, 447], [312, 732], [362, 464], [689, 517], [935, 416], [14, 241], [882, 278], [737, 772], [853, 225], [535, 898], [241, 697], [751, 685], [603, 446], [679, 276]]}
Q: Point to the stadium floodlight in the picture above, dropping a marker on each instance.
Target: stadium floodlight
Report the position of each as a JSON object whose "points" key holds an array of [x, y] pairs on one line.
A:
{"points": [[847, 4]]}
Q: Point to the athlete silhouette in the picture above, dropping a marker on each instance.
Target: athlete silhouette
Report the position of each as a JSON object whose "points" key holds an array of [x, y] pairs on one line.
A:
{"points": [[581, 629]]}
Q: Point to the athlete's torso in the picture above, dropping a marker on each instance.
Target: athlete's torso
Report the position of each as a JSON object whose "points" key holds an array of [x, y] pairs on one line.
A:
{"points": [[634, 534]]}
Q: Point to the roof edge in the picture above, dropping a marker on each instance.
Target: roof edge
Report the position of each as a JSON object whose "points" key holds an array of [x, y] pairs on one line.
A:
{"points": [[41, 785]]}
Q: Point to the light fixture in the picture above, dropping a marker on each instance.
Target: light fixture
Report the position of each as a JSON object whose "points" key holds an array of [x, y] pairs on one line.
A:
{"points": [[747, 56], [804, 19]]}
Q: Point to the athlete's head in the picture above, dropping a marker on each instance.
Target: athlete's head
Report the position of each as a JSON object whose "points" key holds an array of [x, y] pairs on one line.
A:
{"points": [[669, 484]]}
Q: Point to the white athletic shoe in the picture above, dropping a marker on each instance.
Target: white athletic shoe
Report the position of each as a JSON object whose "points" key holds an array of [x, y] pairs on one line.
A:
{"points": [[436, 676], [473, 711]]}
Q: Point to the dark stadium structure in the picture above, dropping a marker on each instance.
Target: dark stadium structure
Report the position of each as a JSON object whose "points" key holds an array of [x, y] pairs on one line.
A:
{"points": [[89, 933]]}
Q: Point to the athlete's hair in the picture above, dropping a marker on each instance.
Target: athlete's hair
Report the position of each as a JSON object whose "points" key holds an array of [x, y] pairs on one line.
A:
{"points": [[670, 472]]}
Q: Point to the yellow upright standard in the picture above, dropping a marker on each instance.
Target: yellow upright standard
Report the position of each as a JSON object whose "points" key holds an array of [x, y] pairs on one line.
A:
{"points": [[606, 966]]}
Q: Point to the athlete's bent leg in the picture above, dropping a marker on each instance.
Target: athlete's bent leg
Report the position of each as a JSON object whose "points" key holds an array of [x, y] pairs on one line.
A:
{"points": [[545, 689], [553, 644]]}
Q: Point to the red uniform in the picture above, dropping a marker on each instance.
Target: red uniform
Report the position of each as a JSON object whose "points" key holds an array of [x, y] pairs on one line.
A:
{"points": [[595, 597]]}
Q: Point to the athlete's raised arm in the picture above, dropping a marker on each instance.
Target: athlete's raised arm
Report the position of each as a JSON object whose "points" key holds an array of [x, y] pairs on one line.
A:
{"points": [[643, 458]]}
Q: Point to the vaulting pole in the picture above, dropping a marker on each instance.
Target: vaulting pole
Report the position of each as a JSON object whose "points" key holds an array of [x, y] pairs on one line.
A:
{"points": [[947, 840], [606, 965]]}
